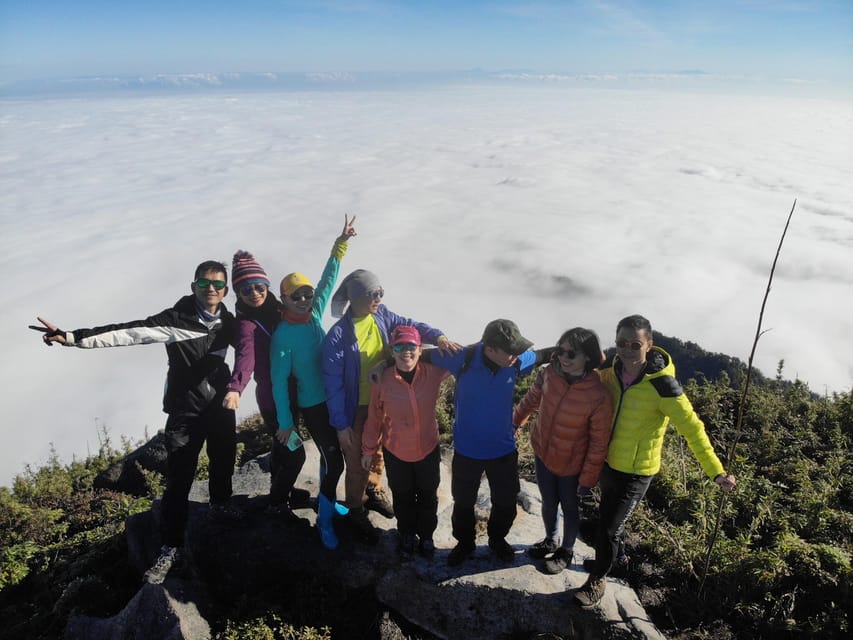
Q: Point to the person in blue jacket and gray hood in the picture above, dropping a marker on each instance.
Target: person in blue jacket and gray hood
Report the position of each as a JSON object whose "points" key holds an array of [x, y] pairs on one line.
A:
{"points": [[353, 346]]}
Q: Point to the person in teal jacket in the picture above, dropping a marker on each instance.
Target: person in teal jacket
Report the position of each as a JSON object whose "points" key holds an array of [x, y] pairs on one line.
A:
{"points": [[296, 350]]}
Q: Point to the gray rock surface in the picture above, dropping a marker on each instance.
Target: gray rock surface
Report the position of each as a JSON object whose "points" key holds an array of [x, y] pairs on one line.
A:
{"points": [[169, 612], [483, 598]]}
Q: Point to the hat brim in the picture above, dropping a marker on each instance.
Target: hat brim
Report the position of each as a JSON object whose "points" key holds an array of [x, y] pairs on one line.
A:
{"points": [[519, 346]]}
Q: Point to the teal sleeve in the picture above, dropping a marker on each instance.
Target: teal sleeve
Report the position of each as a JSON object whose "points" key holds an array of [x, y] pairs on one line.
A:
{"points": [[280, 368], [327, 282]]}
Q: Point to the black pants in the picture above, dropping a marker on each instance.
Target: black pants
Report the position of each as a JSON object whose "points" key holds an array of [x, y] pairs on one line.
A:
{"points": [[414, 488], [502, 474], [185, 436], [325, 436], [620, 495], [285, 464]]}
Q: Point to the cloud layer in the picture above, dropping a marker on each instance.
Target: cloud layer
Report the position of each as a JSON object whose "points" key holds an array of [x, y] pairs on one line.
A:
{"points": [[553, 206]]}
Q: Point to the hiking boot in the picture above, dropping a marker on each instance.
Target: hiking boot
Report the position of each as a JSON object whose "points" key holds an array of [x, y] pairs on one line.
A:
{"points": [[377, 500], [225, 512], [365, 529], [542, 549], [558, 562], [300, 498], [460, 553], [407, 545], [591, 593], [426, 547], [170, 560], [502, 549]]}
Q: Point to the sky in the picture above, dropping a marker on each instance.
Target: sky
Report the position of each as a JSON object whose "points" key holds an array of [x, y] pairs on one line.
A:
{"points": [[615, 158], [803, 40]]}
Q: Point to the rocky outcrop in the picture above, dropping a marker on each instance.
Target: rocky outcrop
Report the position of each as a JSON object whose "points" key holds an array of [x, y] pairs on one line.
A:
{"points": [[483, 598], [155, 612], [128, 474]]}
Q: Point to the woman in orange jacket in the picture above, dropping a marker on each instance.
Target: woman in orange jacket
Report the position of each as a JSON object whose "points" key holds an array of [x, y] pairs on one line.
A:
{"points": [[401, 418], [569, 437]]}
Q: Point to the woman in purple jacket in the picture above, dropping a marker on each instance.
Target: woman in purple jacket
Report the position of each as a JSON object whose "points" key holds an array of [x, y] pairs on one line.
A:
{"points": [[258, 314]]}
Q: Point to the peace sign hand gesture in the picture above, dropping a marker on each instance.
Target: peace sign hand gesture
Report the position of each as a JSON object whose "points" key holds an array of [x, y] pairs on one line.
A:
{"points": [[51, 332]]}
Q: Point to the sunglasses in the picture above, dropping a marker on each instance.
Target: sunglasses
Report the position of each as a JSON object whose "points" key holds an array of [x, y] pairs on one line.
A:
{"points": [[299, 297], [571, 354], [400, 348], [249, 289], [635, 345], [376, 294], [204, 283]]}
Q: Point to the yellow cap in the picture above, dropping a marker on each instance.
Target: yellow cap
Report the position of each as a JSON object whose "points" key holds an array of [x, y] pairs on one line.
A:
{"points": [[292, 282]]}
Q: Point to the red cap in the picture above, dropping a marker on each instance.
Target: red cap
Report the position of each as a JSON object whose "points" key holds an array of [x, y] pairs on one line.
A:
{"points": [[405, 334]]}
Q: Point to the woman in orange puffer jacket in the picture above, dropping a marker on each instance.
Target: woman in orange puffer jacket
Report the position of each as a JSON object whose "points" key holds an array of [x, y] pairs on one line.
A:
{"points": [[569, 438]]}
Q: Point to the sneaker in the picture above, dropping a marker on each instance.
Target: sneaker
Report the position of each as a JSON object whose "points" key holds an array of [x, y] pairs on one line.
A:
{"points": [[365, 529], [225, 512], [460, 553], [377, 500], [591, 593], [558, 562], [407, 545], [542, 549], [502, 549], [426, 547], [299, 498], [170, 558]]}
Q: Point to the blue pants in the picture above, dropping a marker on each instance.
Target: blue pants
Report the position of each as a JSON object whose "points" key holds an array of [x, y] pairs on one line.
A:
{"points": [[558, 491]]}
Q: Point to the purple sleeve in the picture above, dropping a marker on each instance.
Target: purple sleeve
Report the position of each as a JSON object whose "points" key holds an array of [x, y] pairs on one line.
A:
{"points": [[244, 356]]}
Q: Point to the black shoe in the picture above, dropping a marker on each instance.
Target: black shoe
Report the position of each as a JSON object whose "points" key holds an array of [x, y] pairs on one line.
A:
{"points": [[460, 553], [558, 562], [502, 549], [300, 498], [283, 513], [426, 547], [225, 512], [407, 545], [170, 561], [542, 549], [360, 521], [377, 500]]}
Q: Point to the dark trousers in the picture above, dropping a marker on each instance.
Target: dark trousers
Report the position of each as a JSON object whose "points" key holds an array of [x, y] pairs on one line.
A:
{"points": [[325, 436], [285, 464], [414, 489], [502, 474], [620, 495], [184, 437], [558, 491]]}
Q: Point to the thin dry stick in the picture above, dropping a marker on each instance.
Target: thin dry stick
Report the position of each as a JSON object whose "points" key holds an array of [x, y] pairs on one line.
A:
{"points": [[739, 424]]}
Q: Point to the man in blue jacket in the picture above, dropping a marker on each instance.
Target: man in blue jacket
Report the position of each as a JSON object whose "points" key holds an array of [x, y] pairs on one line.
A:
{"points": [[483, 433], [196, 332], [353, 346]]}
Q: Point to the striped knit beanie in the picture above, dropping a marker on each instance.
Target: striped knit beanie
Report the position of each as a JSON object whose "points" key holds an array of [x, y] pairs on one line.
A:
{"points": [[246, 270]]}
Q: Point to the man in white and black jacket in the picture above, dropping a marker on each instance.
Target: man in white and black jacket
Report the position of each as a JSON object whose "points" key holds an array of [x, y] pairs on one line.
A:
{"points": [[196, 332]]}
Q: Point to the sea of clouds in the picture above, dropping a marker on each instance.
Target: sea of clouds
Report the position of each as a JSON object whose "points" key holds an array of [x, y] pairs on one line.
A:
{"points": [[552, 206]]}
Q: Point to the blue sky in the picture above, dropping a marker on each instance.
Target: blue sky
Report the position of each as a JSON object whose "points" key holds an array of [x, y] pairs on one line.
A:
{"points": [[809, 40]]}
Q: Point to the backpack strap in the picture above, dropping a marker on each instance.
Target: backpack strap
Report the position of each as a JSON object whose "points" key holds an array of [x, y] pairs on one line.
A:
{"points": [[469, 358]]}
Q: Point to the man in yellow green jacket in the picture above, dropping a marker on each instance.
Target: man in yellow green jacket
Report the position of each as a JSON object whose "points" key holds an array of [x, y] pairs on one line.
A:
{"points": [[646, 397]]}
